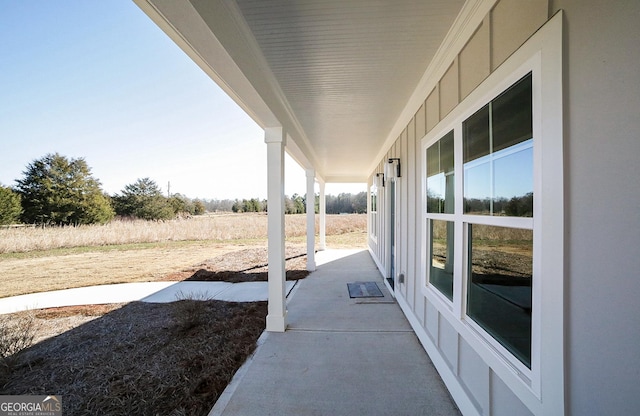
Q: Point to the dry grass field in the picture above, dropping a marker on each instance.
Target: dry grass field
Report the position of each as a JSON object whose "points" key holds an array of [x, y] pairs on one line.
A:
{"points": [[42, 259], [222, 228]]}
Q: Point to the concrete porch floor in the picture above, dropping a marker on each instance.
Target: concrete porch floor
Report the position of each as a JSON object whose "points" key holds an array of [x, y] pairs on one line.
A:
{"points": [[339, 356]]}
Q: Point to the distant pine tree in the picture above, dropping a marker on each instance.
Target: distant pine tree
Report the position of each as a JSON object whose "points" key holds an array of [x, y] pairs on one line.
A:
{"points": [[60, 191], [143, 199], [10, 207]]}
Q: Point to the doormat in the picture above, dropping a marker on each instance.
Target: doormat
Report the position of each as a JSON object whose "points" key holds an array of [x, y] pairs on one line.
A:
{"points": [[364, 290]]}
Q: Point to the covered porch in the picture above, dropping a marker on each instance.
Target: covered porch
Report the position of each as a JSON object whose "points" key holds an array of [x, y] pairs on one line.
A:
{"points": [[345, 87], [340, 355], [331, 83]]}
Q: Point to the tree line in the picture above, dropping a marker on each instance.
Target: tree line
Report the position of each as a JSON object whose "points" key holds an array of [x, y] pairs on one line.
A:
{"points": [[56, 190], [344, 203], [517, 206]]}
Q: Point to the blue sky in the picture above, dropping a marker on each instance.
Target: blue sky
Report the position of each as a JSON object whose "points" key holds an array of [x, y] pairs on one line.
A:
{"points": [[99, 80]]}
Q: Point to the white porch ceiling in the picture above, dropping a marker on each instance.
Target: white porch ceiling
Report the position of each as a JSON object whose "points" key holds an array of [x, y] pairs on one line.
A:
{"points": [[336, 74]]}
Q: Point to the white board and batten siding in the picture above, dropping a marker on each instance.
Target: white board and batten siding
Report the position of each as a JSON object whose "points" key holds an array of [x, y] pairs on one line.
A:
{"points": [[504, 40]]}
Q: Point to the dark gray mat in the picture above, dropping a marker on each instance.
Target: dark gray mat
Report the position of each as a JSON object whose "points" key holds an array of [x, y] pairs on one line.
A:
{"points": [[364, 290]]}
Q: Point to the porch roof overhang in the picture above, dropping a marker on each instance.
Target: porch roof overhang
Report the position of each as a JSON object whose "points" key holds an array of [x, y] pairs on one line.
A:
{"points": [[342, 78]]}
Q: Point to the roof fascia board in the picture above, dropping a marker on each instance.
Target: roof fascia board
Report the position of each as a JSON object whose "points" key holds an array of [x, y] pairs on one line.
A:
{"points": [[182, 23], [298, 155], [463, 27], [303, 148], [227, 51], [224, 18]]}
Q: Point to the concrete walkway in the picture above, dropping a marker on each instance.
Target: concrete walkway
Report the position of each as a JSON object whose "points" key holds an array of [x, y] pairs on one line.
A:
{"points": [[153, 292], [340, 356]]}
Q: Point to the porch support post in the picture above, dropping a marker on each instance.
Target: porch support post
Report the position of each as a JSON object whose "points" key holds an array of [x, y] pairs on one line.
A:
{"points": [[311, 220], [277, 313], [322, 244]]}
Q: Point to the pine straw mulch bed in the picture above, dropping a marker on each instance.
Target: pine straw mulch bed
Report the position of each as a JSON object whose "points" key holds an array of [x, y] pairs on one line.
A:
{"points": [[147, 359]]}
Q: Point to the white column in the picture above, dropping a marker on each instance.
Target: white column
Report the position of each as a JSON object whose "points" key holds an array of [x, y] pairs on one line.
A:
{"points": [[277, 313], [322, 244], [311, 220]]}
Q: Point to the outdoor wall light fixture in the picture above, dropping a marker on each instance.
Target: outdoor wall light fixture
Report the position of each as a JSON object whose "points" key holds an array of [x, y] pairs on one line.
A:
{"points": [[379, 180], [392, 168]]}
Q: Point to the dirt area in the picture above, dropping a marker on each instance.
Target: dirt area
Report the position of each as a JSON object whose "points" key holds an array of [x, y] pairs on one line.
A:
{"points": [[234, 267], [55, 271], [44, 271], [147, 359]]}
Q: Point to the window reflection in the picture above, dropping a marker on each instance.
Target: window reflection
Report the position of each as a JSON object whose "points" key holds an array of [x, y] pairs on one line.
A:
{"points": [[510, 181], [498, 155], [477, 187], [499, 285], [501, 183], [440, 176], [441, 256], [374, 208], [374, 199]]}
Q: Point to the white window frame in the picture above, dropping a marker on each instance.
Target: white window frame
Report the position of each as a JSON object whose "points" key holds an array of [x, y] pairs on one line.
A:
{"points": [[542, 56], [442, 299], [373, 218]]}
